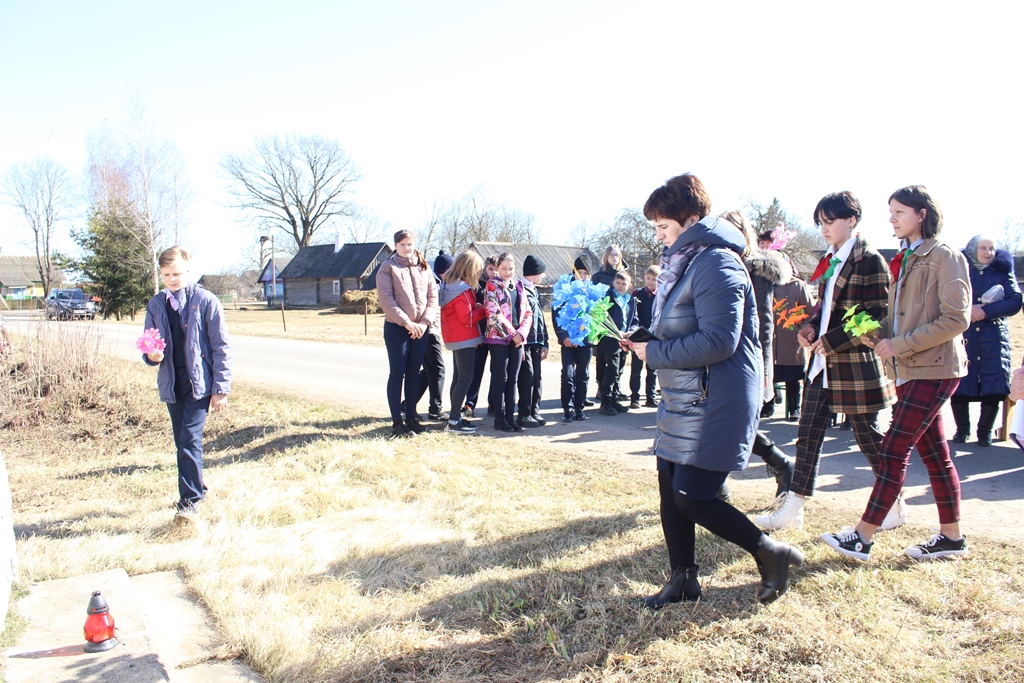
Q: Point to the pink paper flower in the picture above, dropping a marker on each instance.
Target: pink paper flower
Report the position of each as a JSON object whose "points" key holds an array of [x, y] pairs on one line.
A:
{"points": [[150, 341], [781, 237]]}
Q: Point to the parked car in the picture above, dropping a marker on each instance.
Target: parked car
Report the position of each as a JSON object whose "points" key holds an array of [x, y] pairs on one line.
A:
{"points": [[68, 304]]}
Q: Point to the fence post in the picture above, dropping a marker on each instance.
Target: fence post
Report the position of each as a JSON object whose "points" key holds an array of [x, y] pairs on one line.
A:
{"points": [[366, 318]]}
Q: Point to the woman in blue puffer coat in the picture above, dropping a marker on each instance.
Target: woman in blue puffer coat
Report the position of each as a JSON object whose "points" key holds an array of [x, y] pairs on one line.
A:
{"points": [[995, 296], [708, 359]]}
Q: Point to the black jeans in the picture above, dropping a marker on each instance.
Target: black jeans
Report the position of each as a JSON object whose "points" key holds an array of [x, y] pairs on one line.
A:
{"points": [[479, 365], [463, 361], [529, 380], [575, 375], [432, 374], [405, 356], [505, 362]]}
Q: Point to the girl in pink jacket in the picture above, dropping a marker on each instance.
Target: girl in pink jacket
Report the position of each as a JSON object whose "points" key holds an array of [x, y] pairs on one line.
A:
{"points": [[508, 322]]}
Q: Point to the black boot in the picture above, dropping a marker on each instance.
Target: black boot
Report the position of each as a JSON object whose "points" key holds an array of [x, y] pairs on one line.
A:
{"points": [[607, 408], [682, 586], [723, 492], [778, 462], [773, 561], [985, 423], [962, 418]]}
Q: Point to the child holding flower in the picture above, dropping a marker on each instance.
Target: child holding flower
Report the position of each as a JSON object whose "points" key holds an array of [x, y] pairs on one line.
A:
{"points": [[508, 323], [194, 366]]}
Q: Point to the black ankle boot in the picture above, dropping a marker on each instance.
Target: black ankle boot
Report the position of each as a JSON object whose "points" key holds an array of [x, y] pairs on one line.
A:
{"points": [[773, 561], [962, 418], [985, 422], [778, 462], [682, 586]]}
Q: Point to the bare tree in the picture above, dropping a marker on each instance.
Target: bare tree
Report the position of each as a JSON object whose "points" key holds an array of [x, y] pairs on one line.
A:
{"points": [[43, 191], [137, 175], [803, 249], [364, 225], [1011, 237], [296, 184], [634, 235], [454, 226]]}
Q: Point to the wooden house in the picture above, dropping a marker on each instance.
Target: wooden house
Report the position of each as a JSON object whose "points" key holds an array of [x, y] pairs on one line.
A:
{"points": [[19, 278], [320, 274], [272, 286]]}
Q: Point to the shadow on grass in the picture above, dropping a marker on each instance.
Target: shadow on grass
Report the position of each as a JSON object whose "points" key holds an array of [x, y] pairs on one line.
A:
{"points": [[542, 619], [65, 528]]}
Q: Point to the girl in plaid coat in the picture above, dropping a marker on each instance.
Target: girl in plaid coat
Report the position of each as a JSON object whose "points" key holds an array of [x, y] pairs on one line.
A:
{"points": [[845, 375], [929, 309]]}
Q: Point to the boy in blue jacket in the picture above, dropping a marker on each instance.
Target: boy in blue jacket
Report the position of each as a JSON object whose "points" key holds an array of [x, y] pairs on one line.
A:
{"points": [[194, 369], [623, 315]]}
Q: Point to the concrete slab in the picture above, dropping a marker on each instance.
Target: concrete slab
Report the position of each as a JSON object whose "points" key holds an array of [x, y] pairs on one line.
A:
{"points": [[180, 629], [50, 649]]}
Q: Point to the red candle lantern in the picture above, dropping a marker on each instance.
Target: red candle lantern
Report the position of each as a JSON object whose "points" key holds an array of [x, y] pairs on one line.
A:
{"points": [[99, 625]]}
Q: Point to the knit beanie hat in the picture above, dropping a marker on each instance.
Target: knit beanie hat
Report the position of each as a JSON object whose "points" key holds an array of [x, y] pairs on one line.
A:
{"points": [[580, 264], [442, 263], [533, 265]]}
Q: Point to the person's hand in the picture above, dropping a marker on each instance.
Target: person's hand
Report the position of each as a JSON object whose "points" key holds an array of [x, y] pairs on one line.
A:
{"points": [[218, 402], [640, 349], [625, 345], [568, 344], [543, 353], [517, 339], [155, 356], [805, 336], [1017, 385], [977, 313], [817, 347], [883, 347]]}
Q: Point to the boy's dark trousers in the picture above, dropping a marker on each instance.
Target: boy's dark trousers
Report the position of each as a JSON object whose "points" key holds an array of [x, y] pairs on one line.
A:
{"points": [[636, 368], [432, 375], [615, 361], [530, 381], [575, 375], [187, 420]]}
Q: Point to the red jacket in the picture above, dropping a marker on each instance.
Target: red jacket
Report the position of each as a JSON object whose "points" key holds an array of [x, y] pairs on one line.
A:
{"points": [[460, 317]]}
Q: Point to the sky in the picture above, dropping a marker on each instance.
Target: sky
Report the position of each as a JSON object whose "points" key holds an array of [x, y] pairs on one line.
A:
{"points": [[567, 109]]}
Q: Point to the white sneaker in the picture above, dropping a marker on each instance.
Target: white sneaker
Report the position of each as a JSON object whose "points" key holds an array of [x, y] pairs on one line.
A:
{"points": [[897, 515], [789, 516]]}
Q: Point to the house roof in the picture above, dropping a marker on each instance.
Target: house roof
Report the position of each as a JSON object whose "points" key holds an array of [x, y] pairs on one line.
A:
{"points": [[22, 271], [321, 261], [264, 275], [557, 258]]}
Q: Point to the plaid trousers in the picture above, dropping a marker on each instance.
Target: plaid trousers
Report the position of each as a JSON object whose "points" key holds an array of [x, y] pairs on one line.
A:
{"points": [[815, 414], [917, 420]]}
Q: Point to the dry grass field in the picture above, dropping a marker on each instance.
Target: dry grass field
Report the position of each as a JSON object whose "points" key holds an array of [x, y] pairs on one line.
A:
{"points": [[329, 553]]}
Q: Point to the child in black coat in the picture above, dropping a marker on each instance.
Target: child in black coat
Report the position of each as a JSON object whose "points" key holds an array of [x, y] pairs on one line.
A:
{"points": [[623, 315], [536, 347]]}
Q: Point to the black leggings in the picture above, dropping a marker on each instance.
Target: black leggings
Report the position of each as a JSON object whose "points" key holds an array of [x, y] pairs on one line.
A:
{"points": [[688, 498]]}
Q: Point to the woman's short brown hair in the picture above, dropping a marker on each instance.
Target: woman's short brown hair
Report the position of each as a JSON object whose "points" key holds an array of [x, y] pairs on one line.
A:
{"points": [[678, 199]]}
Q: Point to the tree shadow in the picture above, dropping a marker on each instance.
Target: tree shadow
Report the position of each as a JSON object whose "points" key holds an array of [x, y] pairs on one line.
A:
{"points": [[541, 620], [63, 528]]}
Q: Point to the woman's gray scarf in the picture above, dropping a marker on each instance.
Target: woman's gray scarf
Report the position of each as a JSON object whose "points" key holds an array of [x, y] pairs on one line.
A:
{"points": [[672, 269]]}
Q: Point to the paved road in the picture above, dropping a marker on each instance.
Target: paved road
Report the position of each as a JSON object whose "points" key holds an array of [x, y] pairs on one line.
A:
{"points": [[354, 376]]}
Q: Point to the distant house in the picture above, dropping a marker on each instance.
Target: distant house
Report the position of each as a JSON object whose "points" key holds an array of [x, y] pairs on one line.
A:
{"points": [[19, 278], [266, 281], [241, 287], [557, 259], [319, 275]]}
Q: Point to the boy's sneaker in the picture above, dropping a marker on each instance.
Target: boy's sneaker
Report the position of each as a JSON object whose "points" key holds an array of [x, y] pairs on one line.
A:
{"points": [[588, 403], [790, 514], [650, 403], [436, 417], [467, 411], [897, 515], [938, 546], [461, 427], [634, 404], [848, 542], [609, 410], [540, 420], [527, 421], [619, 408], [567, 417], [580, 416]]}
